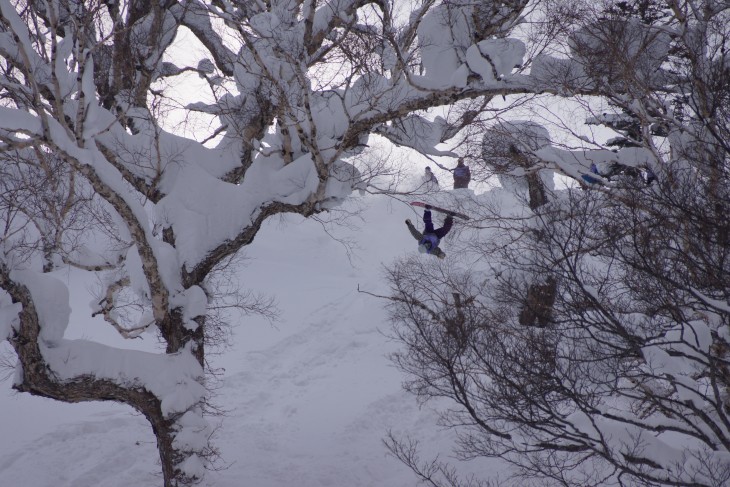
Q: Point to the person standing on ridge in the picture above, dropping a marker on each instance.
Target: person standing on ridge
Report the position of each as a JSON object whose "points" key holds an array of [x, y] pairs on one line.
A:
{"points": [[462, 175]]}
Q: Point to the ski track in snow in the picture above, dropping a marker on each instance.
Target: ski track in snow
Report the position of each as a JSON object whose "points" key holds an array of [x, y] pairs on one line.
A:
{"points": [[113, 450], [290, 401]]}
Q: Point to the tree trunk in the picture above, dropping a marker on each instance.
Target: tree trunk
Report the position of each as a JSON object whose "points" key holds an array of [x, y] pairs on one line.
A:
{"points": [[538, 305]]}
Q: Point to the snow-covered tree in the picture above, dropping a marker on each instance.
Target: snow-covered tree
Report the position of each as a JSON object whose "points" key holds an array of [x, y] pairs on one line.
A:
{"points": [[93, 176], [588, 339]]}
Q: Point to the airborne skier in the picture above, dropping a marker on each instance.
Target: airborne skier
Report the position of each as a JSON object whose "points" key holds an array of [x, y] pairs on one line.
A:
{"points": [[428, 241]]}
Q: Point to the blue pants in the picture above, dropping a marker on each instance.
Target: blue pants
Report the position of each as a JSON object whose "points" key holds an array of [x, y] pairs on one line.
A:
{"points": [[439, 232]]}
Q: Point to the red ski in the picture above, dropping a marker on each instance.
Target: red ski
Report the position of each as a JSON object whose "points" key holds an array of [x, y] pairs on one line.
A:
{"points": [[440, 210]]}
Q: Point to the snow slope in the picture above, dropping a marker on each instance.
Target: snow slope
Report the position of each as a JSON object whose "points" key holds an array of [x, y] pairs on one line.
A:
{"points": [[307, 401]]}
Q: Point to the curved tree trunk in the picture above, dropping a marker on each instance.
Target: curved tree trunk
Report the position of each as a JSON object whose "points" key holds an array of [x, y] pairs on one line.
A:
{"points": [[38, 378]]}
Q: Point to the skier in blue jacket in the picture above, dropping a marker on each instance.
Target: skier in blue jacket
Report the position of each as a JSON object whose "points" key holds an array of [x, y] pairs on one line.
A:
{"points": [[428, 241]]}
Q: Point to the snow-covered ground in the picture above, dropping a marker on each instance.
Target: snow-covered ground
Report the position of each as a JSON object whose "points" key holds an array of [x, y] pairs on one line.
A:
{"points": [[306, 402]]}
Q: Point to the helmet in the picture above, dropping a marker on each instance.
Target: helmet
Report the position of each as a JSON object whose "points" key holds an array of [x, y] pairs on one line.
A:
{"points": [[424, 247]]}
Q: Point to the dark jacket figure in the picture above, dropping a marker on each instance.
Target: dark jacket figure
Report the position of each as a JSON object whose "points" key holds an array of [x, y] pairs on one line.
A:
{"points": [[462, 175], [428, 241]]}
